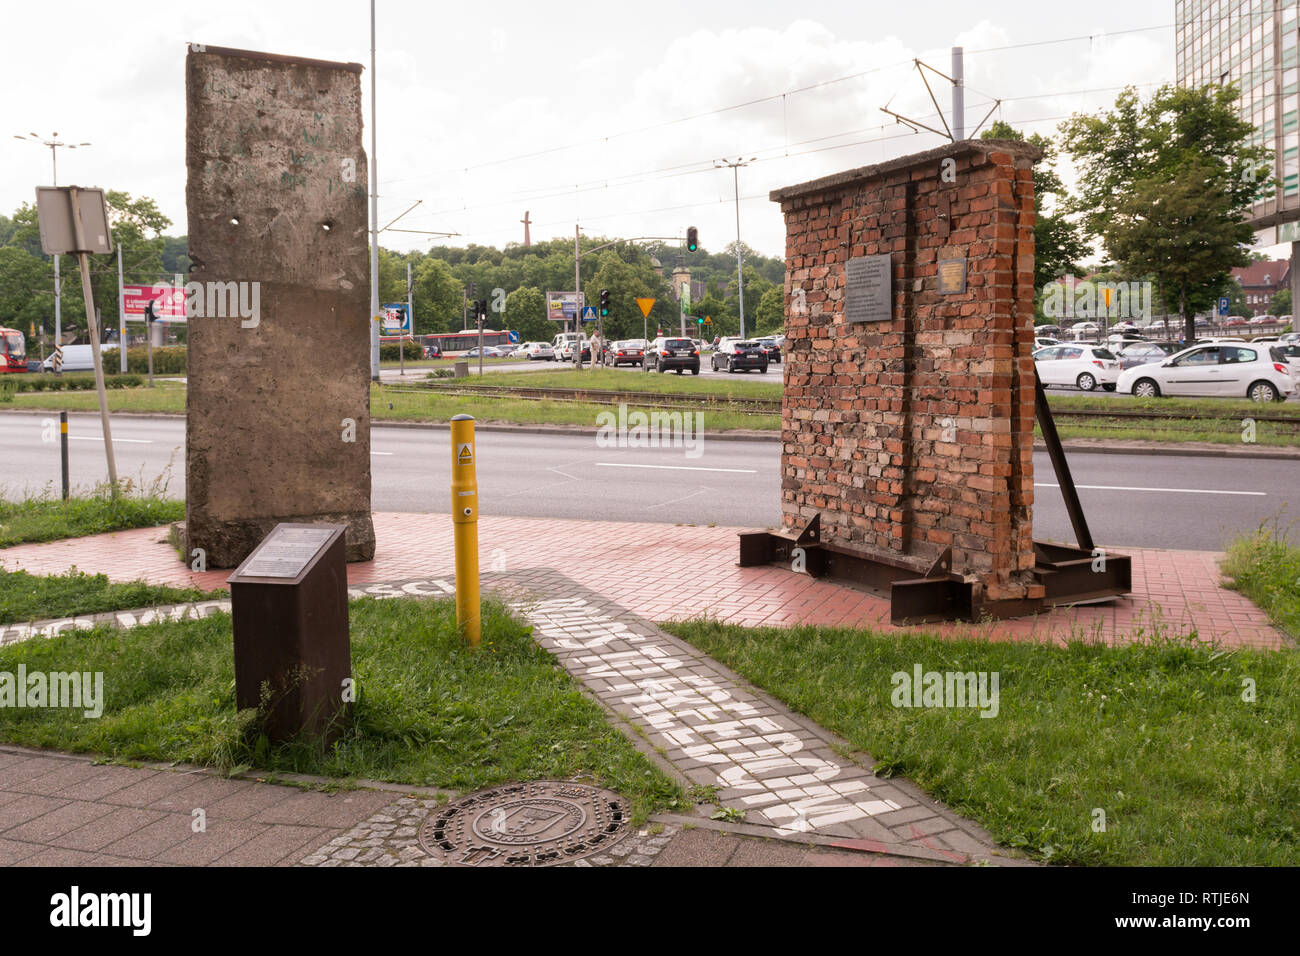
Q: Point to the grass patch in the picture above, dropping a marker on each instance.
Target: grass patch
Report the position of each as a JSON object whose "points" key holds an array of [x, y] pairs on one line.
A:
{"points": [[31, 597], [740, 385], [165, 396], [49, 518], [429, 712], [1265, 566], [1156, 734], [429, 406]]}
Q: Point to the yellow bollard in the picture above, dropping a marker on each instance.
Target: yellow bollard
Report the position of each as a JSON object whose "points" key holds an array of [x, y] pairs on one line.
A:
{"points": [[464, 516]]}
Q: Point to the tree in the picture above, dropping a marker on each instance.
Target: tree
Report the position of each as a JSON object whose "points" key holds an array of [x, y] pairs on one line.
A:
{"points": [[1180, 225], [26, 290], [1166, 184], [526, 314], [438, 298], [1281, 304], [771, 310]]}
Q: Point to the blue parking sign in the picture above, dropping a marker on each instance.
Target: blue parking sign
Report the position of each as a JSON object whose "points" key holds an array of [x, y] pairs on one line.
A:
{"points": [[1223, 305]]}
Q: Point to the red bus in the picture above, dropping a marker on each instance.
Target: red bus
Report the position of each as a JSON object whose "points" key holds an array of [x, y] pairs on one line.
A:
{"points": [[13, 351]]}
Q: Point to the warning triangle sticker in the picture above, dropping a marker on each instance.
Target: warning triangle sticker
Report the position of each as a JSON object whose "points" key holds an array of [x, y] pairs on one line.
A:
{"points": [[465, 453]]}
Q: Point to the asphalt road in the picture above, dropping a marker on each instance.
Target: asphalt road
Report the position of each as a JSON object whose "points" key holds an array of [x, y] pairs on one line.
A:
{"points": [[1130, 500]]}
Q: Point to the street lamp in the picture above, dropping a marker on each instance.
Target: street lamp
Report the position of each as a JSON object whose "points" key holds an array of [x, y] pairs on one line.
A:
{"points": [[740, 277], [54, 144]]}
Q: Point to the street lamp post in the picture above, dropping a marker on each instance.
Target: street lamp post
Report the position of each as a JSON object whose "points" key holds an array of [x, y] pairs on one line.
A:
{"points": [[740, 276], [54, 144]]}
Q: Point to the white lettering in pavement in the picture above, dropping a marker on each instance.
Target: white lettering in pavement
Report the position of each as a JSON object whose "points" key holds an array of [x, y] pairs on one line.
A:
{"points": [[708, 721]]}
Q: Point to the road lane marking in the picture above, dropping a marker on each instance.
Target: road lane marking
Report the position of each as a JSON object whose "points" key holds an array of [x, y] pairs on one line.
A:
{"points": [[133, 441], [1182, 491], [735, 471]]}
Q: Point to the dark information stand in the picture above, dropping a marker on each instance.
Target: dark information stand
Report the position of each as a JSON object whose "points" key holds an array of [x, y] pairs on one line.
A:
{"points": [[290, 608]]}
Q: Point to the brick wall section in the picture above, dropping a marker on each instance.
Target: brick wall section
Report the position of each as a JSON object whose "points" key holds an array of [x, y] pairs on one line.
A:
{"points": [[916, 434]]}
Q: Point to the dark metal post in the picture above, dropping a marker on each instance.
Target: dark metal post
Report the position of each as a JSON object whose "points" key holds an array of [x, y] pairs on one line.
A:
{"points": [[63, 450], [1060, 466]]}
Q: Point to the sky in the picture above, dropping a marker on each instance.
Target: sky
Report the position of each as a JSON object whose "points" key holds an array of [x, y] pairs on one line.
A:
{"points": [[606, 115]]}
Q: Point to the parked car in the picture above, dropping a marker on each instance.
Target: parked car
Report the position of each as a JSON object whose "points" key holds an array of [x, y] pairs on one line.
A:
{"points": [[1144, 353], [78, 358], [564, 343], [1084, 366], [489, 351], [1047, 330], [1288, 352], [1213, 369], [1289, 337], [432, 351], [673, 353], [770, 349], [739, 355], [1043, 341], [623, 352], [1083, 330], [538, 352]]}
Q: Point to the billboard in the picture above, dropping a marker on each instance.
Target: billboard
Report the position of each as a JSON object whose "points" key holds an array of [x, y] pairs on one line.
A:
{"points": [[396, 320], [169, 302], [563, 306]]}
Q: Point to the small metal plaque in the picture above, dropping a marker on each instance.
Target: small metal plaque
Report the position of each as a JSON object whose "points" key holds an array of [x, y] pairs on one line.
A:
{"points": [[952, 276], [286, 552], [868, 292]]}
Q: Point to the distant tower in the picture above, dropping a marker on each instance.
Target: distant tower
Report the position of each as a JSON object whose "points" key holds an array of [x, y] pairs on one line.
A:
{"points": [[681, 277], [527, 239], [657, 266]]}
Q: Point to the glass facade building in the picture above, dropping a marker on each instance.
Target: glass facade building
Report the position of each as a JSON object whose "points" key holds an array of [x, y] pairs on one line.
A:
{"points": [[1254, 44]]}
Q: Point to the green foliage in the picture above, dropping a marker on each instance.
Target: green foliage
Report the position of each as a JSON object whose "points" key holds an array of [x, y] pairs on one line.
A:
{"points": [[1265, 566], [8, 386], [389, 351], [48, 518], [526, 313], [75, 381], [30, 597], [1165, 185], [1281, 304], [1156, 733], [166, 361], [430, 712]]}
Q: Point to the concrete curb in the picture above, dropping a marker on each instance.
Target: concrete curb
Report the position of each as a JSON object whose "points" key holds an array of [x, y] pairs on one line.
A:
{"points": [[578, 431]]}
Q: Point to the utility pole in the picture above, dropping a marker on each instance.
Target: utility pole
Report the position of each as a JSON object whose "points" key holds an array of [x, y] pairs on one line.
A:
{"points": [[410, 314], [374, 214], [577, 308], [958, 96], [740, 265], [121, 312], [54, 144]]}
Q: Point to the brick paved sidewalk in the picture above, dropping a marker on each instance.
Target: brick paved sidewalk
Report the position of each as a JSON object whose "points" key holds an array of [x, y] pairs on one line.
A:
{"points": [[1173, 591]]}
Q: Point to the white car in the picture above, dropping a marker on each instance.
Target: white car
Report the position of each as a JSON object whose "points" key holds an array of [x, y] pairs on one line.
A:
{"points": [[538, 351], [1084, 366], [1043, 341], [1083, 330], [1225, 368]]}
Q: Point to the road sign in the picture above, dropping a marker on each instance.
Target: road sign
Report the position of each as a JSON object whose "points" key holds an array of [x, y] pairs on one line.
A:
{"points": [[513, 337], [589, 314], [1223, 305], [708, 320], [57, 362], [64, 231], [646, 305]]}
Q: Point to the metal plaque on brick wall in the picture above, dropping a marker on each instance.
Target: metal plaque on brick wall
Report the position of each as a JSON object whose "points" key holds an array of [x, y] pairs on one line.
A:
{"points": [[952, 276], [868, 292]]}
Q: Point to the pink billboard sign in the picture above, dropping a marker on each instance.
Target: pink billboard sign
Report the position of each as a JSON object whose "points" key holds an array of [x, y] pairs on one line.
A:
{"points": [[169, 302]]}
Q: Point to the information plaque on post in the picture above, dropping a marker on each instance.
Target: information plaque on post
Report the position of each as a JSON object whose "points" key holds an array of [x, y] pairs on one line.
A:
{"points": [[290, 610]]}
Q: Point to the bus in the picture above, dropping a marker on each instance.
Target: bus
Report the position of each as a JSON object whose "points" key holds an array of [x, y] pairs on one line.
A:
{"points": [[451, 342], [13, 351]]}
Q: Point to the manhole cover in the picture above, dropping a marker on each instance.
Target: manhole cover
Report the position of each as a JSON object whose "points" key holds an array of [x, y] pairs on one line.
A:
{"points": [[526, 824]]}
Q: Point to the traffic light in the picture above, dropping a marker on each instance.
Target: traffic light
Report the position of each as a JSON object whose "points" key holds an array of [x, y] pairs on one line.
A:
{"points": [[604, 302], [699, 320], [481, 308], [692, 239], [473, 291]]}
